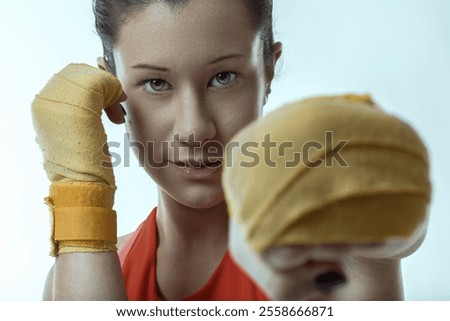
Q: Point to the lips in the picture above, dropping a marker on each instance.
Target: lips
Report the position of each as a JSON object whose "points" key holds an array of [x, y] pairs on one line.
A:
{"points": [[199, 170], [199, 164]]}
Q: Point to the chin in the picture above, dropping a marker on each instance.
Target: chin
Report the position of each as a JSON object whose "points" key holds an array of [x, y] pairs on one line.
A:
{"points": [[196, 193], [201, 198]]}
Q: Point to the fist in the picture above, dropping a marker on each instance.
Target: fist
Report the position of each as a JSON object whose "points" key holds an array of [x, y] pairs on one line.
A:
{"points": [[67, 120]]}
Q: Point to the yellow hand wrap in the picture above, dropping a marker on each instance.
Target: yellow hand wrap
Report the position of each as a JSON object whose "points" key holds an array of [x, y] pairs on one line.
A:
{"points": [[67, 119], [384, 191]]}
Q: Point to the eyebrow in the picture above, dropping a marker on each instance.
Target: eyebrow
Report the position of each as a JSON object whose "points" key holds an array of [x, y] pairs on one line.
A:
{"points": [[226, 57], [151, 67], [164, 69]]}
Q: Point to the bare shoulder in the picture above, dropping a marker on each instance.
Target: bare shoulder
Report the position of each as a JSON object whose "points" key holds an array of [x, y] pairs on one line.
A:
{"points": [[122, 240]]}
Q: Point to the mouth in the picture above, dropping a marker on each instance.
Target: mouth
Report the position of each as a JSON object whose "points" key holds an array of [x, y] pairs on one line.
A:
{"points": [[202, 164]]}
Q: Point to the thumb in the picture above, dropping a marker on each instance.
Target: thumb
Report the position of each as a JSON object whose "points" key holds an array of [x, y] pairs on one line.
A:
{"points": [[115, 112]]}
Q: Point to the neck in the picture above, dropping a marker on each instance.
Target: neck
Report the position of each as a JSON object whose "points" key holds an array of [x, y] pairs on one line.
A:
{"points": [[181, 226], [191, 244]]}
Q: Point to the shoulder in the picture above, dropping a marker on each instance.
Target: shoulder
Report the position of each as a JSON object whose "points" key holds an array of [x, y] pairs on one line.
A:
{"points": [[148, 226]]}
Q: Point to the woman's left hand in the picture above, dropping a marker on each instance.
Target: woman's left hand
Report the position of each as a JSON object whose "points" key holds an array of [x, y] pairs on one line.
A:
{"points": [[326, 272]]}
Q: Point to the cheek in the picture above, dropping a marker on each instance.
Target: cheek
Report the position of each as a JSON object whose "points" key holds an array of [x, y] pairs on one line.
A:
{"points": [[239, 109], [148, 128], [145, 120]]}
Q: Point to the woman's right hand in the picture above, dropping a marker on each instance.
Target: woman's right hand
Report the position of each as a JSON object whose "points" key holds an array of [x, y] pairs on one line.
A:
{"points": [[67, 120]]}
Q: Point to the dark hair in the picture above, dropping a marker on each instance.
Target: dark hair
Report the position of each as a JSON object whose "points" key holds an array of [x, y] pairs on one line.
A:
{"points": [[111, 14]]}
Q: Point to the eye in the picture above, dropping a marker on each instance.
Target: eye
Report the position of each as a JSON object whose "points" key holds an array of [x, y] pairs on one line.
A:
{"points": [[156, 86], [223, 79]]}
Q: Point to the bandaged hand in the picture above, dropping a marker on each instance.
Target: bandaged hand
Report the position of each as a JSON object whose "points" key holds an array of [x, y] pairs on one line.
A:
{"points": [[67, 120], [375, 187], [343, 185]]}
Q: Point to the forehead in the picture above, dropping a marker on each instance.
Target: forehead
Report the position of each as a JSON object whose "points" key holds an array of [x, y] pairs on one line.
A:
{"points": [[199, 30]]}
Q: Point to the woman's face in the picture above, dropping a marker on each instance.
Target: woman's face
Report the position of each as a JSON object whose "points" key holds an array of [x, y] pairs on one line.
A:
{"points": [[192, 75]]}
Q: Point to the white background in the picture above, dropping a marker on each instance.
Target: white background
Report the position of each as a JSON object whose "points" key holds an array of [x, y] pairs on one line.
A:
{"points": [[398, 51]]}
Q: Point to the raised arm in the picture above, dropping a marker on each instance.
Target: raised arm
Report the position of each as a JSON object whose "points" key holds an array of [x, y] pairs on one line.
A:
{"points": [[67, 120]]}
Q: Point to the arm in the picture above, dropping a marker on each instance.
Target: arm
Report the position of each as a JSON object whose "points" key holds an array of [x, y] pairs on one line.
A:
{"points": [[103, 274], [372, 280], [66, 115], [86, 276], [375, 272]]}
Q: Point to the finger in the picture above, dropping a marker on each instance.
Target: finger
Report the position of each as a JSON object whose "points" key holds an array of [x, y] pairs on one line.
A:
{"points": [[313, 280], [122, 97], [115, 112], [287, 257]]}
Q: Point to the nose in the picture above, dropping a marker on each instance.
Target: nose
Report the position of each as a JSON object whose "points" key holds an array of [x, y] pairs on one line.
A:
{"points": [[194, 122]]}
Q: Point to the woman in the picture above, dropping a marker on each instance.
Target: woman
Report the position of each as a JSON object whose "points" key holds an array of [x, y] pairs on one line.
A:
{"points": [[187, 67], [194, 73]]}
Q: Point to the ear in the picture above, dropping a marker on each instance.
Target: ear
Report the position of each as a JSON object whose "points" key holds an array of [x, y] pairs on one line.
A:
{"points": [[115, 112], [270, 69], [101, 63]]}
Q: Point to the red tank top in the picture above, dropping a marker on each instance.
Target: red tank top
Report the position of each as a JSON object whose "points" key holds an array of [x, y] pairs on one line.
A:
{"points": [[138, 257]]}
